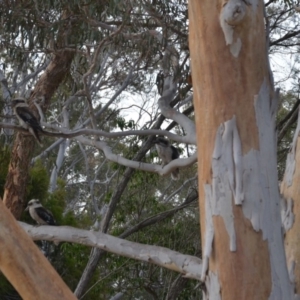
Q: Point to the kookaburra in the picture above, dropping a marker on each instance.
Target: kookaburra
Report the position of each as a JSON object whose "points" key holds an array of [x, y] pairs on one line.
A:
{"points": [[40, 214], [160, 79], [167, 153], [26, 118]]}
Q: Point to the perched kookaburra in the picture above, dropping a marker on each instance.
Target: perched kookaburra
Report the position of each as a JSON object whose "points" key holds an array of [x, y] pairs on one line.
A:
{"points": [[40, 214], [26, 118], [167, 153], [160, 79]]}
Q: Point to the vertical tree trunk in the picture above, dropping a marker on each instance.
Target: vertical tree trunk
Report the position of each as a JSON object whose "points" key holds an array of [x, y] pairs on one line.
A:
{"points": [[15, 186], [243, 253], [290, 189]]}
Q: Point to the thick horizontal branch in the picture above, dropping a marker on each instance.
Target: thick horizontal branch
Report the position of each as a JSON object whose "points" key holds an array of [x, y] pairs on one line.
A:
{"points": [[189, 266], [68, 134], [162, 171], [180, 162]]}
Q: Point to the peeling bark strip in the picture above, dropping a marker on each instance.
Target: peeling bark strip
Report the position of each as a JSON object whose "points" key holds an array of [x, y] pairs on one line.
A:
{"points": [[212, 284], [290, 167], [261, 198], [260, 204], [227, 178], [238, 185], [290, 208], [232, 15], [15, 186], [287, 214]]}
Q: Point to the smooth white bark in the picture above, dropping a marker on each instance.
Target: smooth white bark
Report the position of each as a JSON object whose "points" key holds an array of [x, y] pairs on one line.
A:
{"points": [[188, 265]]}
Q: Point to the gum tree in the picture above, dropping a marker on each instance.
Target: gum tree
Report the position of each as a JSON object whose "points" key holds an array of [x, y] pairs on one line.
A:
{"points": [[235, 107]]}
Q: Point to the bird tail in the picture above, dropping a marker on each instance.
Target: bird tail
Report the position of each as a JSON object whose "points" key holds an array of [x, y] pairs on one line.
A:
{"points": [[175, 174], [48, 133], [35, 133]]}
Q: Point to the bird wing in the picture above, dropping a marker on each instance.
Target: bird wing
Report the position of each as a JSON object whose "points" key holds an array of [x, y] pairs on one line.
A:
{"points": [[27, 116], [160, 82], [162, 142], [175, 152], [45, 215]]}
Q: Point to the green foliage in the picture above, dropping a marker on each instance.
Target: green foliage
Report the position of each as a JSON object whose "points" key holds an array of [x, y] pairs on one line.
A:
{"points": [[124, 124], [7, 290], [70, 260], [37, 187]]}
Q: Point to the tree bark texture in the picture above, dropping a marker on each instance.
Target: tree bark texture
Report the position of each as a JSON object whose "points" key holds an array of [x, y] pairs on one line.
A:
{"points": [[290, 189], [15, 186], [25, 266], [235, 107]]}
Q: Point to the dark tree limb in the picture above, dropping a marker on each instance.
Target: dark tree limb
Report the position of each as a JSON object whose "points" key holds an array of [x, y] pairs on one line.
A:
{"points": [[15, 186]]}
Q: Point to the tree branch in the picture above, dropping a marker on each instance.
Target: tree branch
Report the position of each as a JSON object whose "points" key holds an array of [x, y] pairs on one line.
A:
{"points": [[68, 134], [188, 265], [180, 162], [159, 217]]}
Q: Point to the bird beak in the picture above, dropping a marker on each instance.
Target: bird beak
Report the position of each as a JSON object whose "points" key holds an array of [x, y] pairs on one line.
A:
{"points": [[27, 208]]}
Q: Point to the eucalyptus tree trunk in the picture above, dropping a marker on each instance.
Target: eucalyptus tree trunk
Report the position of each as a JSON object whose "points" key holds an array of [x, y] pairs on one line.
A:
{"points": [[290, 188], [22, 152], [235, 107]]}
